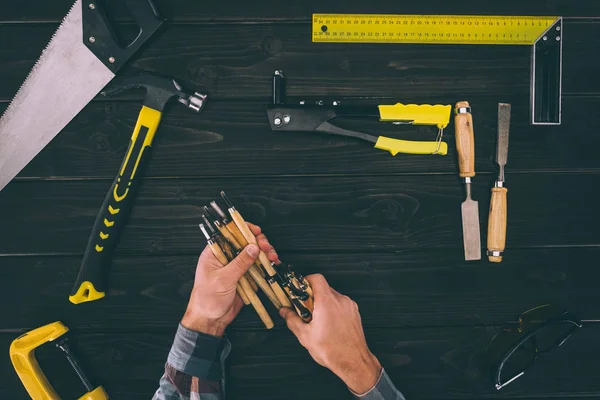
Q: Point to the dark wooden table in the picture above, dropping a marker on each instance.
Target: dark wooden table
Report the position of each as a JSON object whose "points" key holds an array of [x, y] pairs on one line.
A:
{"points": [[384, 230]]}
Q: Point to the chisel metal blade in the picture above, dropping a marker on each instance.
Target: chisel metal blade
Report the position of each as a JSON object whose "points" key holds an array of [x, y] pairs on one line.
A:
{"points": [[503, 130], [471, 234]]}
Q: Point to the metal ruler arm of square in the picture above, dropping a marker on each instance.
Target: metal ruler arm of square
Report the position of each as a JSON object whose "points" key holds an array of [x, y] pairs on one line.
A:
{"points": [[543, 34]]}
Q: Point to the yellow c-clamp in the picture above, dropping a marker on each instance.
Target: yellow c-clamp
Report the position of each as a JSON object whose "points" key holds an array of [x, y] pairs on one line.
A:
{"points": [[22, 356]]}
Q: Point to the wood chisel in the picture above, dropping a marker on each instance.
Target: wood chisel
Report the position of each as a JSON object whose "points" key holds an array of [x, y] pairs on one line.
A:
{"points": [[496, 240], [465, 146], [243, 285]]}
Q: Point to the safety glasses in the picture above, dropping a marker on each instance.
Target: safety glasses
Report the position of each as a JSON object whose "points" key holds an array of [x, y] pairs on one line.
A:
{"points": [[512, 351]]}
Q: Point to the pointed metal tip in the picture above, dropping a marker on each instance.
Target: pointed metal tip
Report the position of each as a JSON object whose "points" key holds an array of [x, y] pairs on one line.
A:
{"points": [[226, 200], [218, 210], [208, 224], [203, 229]]}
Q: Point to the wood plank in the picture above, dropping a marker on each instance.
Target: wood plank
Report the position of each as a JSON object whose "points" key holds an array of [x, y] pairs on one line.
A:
{"points": [[229, 137], [304, 214], [425, 363], [182, 10], [392, 289], [238, 61]]}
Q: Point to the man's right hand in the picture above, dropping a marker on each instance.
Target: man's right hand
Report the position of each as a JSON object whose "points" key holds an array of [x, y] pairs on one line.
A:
{"points": [[335, 338]]}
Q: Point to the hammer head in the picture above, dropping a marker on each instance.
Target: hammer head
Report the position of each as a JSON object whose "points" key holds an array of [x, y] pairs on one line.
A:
{"points": [[159, 90]]}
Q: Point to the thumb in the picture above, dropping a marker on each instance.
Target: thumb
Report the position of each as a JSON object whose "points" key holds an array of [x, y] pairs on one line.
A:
{"points": [[239, 265], [293, 321]]}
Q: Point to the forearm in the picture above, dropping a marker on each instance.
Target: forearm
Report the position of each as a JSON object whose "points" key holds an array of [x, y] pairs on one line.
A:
{"points": [[194, 367], [384, 389]]}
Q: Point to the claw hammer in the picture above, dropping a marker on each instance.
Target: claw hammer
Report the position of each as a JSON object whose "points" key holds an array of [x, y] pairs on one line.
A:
{"points": [[90, 283]]}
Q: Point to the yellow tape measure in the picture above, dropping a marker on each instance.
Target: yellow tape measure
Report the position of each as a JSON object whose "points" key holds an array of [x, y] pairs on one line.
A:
{"points": [[429, 29]]}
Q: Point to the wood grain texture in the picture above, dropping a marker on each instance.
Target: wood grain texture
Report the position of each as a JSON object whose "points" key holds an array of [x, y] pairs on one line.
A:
{"points": [[237, 61], [425, 363], [384, 230], [228, 137], [304, 214], [182, 10], [394, 289]]}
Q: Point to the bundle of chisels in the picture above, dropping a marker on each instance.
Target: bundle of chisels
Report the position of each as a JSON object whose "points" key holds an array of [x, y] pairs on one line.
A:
{"points": [[227, 236]]}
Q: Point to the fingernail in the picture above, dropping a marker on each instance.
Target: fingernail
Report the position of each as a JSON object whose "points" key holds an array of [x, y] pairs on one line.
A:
{"points": [[252, 250], [282, 312]]}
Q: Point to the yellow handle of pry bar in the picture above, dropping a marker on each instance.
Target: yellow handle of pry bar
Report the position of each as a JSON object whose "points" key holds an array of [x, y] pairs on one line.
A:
{"points": [[395, 146], [417, 114], [22, 356]]}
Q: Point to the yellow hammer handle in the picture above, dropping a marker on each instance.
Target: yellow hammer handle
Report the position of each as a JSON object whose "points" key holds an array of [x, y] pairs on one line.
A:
{"points": [[497, 224], [465, 140]]}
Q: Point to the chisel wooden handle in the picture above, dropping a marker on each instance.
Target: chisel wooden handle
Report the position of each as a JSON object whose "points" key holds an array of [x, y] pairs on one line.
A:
{"points": [[465, 141], [239, 242], [262, 257], [245, 286], [497, 224]]}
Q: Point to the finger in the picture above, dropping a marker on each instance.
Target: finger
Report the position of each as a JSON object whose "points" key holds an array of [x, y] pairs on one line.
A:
{"points": [[293, 321], [319, 285], [238, 304], [208, 259], [254, 228], [239, 265], [269, 250]]}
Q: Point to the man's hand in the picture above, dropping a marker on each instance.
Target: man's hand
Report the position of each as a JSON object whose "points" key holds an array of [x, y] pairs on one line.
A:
{"points": [[335, 338], [214, 302]]}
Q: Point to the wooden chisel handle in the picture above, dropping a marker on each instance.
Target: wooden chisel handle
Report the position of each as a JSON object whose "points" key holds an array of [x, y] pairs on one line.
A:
{"points": [[465, 141], [262, 257], [246, 288], [497, 224], [255, 271]]}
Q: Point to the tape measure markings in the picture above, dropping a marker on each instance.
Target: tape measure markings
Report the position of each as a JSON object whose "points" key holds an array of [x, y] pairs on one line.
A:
{"points": [[429, 29]]}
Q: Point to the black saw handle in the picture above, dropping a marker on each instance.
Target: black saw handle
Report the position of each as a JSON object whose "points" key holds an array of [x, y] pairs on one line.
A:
{"points": [[91, 281], [99, 36]]}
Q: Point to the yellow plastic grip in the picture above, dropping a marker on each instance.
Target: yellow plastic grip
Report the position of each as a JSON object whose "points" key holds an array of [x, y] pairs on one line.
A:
{"points": [[86, 292], [97, 394], [395, 146], [148, 118], [22, 356], [417, 114]]}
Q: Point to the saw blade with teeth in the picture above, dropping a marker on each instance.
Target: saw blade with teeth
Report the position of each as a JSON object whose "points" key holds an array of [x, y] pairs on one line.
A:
{"points": [[65, 79], [82, 57]]}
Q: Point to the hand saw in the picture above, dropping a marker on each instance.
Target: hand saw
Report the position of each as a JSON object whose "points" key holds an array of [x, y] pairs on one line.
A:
{"points": [[81, 58]]}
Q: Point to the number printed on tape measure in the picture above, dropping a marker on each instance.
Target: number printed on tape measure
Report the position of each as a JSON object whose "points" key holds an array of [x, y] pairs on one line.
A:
{"points": [[440, 29]]}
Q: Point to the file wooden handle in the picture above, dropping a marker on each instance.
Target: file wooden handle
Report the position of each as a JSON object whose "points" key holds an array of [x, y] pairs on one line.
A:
{"points": [[497, 223]]}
